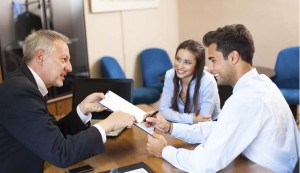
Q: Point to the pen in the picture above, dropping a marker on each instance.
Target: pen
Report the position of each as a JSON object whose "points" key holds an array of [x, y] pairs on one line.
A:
{"points": [[152, 115]]}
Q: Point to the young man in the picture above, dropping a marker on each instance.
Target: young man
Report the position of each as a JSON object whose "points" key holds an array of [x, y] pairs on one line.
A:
{"points": [[29, 134], [255, 121]]}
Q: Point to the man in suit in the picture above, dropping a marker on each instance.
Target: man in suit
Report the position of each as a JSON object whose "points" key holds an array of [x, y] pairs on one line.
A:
{"points": [[255, 120], [29, 134]]}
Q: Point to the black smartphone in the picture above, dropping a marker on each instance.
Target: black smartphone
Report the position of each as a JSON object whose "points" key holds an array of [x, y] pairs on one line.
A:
{"points": [[82, 169]]}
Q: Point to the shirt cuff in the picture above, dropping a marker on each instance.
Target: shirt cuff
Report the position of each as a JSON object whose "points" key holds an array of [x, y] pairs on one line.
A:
{"points": [[168, 153], [84, 118], [175, 129], [102, 132]]}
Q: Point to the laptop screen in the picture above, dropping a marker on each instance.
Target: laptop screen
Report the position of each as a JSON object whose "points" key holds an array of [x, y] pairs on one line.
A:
{"points": [[84, 87]]}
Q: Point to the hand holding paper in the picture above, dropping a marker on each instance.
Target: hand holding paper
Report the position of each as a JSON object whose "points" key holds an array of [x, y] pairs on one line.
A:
{"points": [[117, 120], [114, 102]]}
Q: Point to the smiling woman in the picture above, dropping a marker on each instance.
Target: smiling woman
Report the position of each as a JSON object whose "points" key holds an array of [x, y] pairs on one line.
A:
{"points": [[189, 91]]}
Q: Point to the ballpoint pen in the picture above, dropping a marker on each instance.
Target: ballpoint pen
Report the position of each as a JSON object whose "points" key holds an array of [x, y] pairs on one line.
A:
{"points": [[152, 115]]}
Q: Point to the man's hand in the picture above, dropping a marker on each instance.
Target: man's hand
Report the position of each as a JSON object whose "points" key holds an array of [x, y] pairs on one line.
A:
{"points": [[117, 120], [158, 121], [201, 118], [90, 103], [156, 144]]}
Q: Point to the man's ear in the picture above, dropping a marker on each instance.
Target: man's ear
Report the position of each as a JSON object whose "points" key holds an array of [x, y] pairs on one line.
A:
{"points": [[39, 56], [234, 57]]}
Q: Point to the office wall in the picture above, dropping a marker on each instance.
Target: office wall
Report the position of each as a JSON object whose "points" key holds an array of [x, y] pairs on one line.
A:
{"points": [[274, 24], [124, 34]]}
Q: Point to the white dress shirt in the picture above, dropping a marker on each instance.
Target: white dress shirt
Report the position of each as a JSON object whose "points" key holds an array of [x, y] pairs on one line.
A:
{"points": [[255, 121], [84, 118]]}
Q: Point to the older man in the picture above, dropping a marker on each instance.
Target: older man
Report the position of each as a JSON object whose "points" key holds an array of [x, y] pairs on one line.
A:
{"points": [[29, 135]]}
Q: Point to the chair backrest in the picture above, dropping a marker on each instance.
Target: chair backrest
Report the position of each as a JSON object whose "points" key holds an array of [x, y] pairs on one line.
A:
{"points": [[287, 68], [110, 68], [155, 62]]}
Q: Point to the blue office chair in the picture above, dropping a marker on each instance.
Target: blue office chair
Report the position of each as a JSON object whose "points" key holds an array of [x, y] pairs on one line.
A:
{"points": [[287, 75], [110, 68], [155, 62]]}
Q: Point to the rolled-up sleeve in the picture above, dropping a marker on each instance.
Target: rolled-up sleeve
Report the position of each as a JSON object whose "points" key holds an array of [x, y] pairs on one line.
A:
{"points": [[193, 134]]}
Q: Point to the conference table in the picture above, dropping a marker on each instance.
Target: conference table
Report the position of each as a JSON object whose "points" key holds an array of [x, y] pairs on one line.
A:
{"points": [[130, 148]]}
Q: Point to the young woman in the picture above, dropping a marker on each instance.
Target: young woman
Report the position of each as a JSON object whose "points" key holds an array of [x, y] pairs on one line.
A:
{"points": [[190, 94]]}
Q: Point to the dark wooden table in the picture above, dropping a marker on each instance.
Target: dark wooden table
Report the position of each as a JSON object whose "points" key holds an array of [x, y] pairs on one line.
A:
{"points": [[130, 148]]}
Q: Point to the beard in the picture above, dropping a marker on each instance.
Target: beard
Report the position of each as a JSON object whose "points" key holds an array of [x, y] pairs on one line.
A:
{"points": [[226, 78]]}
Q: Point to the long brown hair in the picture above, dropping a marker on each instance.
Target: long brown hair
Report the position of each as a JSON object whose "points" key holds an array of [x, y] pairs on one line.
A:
{"points": [[196, 49]]}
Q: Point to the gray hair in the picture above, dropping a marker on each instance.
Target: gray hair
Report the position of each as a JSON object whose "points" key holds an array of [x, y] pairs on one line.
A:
{"points": [[41, 40]]}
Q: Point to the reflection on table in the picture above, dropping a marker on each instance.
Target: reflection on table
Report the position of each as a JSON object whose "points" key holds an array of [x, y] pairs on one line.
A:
{"points": [[130, 148]]}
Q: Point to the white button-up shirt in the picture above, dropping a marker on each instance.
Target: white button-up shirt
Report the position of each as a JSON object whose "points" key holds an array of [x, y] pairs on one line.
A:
{"points": [[255, 121]]}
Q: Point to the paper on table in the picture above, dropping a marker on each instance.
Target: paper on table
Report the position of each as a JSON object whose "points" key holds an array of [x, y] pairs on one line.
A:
{"points": [[114, 102], [140, 170]]}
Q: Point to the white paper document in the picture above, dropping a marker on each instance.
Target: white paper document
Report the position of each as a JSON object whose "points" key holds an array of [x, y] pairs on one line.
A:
{"points": [[114, 102], [141, 170]]}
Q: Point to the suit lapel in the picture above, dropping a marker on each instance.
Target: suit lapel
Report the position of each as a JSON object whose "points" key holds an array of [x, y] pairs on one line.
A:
{"points": [[25, 70]]}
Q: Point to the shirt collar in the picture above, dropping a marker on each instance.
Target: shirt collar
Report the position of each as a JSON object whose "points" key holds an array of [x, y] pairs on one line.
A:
{"points": [[253, 72], [41, 85]]}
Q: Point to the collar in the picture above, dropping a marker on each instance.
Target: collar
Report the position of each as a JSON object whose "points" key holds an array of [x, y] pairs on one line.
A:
{"points": [[41, 85], [192, 83], [253, 72]]}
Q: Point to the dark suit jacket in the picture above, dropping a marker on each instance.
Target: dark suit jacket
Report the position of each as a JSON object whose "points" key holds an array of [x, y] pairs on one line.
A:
{"points": [[29, 134]]}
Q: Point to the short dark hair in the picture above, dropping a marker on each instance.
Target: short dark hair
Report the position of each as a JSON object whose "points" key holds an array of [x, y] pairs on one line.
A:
{"points": [[232, 37]]}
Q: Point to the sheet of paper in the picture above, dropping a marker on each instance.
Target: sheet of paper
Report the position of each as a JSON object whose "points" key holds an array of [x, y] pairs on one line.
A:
{"points": [[141, 170], [114, 102]]}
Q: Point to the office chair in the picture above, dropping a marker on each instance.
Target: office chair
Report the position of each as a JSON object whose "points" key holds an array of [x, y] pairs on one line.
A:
{"points": [[155, 62], [110, 68], [287, 75]]}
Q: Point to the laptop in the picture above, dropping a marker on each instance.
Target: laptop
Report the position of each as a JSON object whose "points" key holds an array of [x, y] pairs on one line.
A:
{"points": [[82, 87]]}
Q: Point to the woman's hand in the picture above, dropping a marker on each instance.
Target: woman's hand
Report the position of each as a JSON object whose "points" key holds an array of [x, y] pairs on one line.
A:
{"points": [[201, 118], [159, 122]]}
